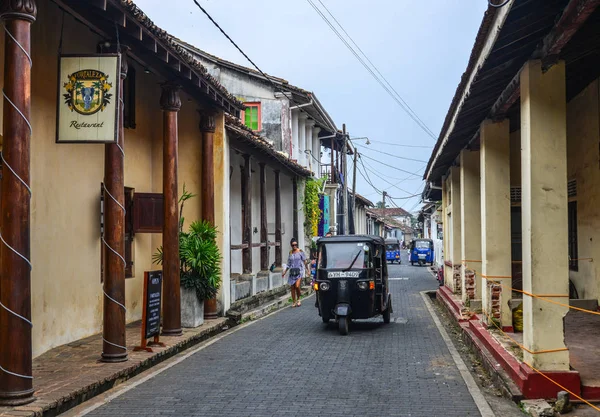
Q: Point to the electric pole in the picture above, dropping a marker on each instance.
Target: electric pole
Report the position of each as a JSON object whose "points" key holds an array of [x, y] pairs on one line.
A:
{"points": [[345, 170], [384, 195], [354, 187]]}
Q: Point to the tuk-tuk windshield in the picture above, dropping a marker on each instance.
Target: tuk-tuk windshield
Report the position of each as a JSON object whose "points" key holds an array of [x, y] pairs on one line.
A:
{"points": [[392, 247], [341, 255], [422, 244]]}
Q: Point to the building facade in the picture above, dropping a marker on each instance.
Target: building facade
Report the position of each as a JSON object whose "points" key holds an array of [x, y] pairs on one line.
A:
{"points": [[516, 169]]}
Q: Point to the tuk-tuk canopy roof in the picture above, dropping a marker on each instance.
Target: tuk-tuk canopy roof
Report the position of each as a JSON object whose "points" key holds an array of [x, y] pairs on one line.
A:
{"points": [[353, 238], [423, 240], [392, 240]]}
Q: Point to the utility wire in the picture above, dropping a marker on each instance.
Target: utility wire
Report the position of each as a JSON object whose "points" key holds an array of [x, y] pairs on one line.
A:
{"points": [[399, 144], [396, 156], [367, 178], [390, 166], [386, 181], [420, 122], [406, 110], [267, 77]]}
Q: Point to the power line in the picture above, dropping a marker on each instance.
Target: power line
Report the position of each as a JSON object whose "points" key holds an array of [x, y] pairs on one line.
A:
{"points": [[406, 110], [267, 77], [390, 166], [421, 122], [400, 144], [367, 178], [396, 156], [384, 180]]}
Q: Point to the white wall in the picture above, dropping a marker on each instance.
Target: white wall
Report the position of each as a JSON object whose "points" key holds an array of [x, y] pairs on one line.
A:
{"points": [[255, 215], [235, 214]]}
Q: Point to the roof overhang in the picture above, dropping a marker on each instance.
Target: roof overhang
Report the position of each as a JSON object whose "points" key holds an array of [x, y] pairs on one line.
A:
{"points": [[151, 47], [508, 37], [246, 141]]}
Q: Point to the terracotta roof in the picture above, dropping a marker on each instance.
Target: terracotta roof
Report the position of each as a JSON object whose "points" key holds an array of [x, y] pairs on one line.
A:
{"points": [[241, 131], [326, 122], [364, 201], [178, 50], [391, 211]]}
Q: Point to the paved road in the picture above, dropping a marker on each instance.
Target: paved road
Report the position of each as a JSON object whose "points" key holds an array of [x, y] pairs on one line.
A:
{"points": [[291, 364]]}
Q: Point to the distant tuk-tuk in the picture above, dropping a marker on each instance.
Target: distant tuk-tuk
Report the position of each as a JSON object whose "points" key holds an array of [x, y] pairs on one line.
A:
{"points": [[352, 280], [421, 251], [392, 250]]}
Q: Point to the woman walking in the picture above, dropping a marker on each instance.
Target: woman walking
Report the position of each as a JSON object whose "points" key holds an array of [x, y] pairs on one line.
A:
{"points": [[295, 268]]}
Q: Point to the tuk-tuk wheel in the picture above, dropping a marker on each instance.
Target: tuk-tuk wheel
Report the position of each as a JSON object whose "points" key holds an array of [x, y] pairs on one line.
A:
{"points": [[387, 314], [344, 325]]}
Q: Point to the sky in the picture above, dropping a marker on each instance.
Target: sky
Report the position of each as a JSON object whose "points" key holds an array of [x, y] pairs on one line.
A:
{"points": [[421, 48]]}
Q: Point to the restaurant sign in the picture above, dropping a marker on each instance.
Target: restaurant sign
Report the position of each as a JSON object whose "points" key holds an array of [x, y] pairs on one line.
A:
{"points": [[88, 99]]}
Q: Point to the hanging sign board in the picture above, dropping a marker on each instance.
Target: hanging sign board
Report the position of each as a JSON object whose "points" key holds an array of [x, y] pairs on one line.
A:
{"points": [[88, 99], [151, 310]]}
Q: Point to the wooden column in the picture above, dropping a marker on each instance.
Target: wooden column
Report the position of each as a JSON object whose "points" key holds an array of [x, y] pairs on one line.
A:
{"points": [[170, 103], [15, 272], [247, 220], [295, 206], [278, 242], [264, 250], [207, 127], [113, 347]]}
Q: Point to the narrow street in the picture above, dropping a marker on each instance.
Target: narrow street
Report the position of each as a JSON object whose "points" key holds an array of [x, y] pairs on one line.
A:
{"points": [[291, 364]]}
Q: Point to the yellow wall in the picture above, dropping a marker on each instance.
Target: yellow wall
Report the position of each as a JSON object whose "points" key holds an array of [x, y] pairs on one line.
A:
{"points": [[583, 165], [65, 179]]}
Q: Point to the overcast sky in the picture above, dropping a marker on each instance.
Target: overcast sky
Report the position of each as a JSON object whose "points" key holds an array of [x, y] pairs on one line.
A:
{"points": [[421, 47]]}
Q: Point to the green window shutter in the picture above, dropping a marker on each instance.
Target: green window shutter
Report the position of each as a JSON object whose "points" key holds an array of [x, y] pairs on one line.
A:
{"points": [[251, 117], [247, 117]]}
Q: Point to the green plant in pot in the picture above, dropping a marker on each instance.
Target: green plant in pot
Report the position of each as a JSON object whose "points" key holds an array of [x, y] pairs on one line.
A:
{"points": [[199, 257]]}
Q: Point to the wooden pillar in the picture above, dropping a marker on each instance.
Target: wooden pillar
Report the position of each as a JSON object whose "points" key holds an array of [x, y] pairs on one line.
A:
{"points": [[264, 250], [170, 104], [278, 247], [16, 381], [295, 207], [114, 347], [247, 220], [207, 127]]}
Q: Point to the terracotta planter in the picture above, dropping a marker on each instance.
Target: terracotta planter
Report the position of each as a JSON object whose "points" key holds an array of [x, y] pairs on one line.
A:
{"points": [[210, 309]]}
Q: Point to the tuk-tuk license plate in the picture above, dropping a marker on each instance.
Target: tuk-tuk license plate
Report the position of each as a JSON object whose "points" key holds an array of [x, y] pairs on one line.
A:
{"points": [[343, 274], [422, 256]]}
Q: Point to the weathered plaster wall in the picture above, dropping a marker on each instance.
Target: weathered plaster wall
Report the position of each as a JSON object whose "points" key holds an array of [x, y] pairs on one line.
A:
{"points": [[65, 179], [582, 165]]}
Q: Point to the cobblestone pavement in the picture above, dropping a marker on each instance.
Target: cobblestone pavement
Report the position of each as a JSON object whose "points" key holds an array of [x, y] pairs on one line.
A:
{"points": [[291, 364]]}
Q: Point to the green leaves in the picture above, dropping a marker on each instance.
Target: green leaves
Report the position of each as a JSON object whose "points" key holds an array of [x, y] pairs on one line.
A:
{"points": [[312, 212], [200, 260], [199, 256]]}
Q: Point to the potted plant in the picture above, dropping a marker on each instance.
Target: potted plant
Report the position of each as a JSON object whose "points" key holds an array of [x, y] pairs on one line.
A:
{"points": [[200, 271]]}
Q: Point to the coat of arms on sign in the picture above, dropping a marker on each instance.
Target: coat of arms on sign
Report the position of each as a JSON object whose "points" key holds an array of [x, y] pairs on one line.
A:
{"points": [[87, 91], [88, 98]]}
